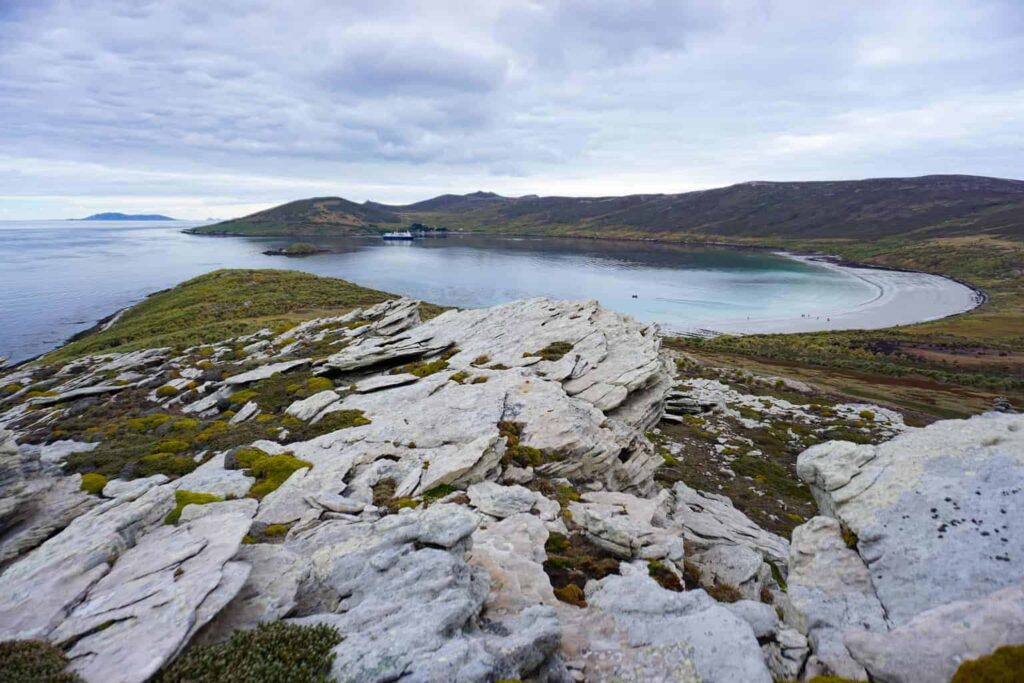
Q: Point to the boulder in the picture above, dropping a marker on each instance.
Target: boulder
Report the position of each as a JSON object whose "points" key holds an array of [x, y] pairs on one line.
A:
{"points": [[308, 408], [512, 553], [265, 371], [933, 509], [501, 501], [634, 629], [270, 591], [412, 603], [931, 646], [708, 520], [736, 565], [830, 593]]}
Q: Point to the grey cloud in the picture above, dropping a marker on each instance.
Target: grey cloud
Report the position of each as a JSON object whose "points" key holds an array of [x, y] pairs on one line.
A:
{"points": [[404, 96]]}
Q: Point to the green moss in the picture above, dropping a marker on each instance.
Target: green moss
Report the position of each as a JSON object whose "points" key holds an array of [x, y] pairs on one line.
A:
{"points": [[331, 422], [481, 360], [438, 492], [1005, 665], [247, 456], [183, 498], [480, 379], [572, 594], [665, 577], [166, 391], [171, 464], [272, 471], [315, 385], [271, 653], [185, 425], [516, 452], [242, 397], [427, 368], [274, 530], [171, 446], [34, 661], [725, 592], [553, 351], [772, 476], [459, 377], [849, 538], [11, 388], [93, 483]]}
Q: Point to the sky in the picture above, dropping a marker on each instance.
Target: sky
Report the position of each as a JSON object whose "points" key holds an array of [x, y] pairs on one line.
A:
{"points": [[221, 108]]}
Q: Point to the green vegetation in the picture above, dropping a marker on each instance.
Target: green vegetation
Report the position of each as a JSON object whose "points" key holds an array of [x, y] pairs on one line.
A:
{"points": [[301, 249], [34, 661], [665, 577], [271, 471], [725, 592], [572, 561], [515, 452], [183, 498], [222, 304], [93, 483], [271, 653], [438, 492], [553, 351], [166, 391], [426, 368], [1005, 665]]}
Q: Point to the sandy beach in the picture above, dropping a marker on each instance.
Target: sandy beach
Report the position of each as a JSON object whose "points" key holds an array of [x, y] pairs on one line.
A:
{"points": [[893, 298]]}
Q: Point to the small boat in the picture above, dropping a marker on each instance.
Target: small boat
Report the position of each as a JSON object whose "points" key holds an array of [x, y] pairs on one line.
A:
{"points": [[395, 236]]}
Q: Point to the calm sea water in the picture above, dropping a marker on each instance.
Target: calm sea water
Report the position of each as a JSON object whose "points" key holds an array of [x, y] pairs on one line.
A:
{"points": [[60, 277]]}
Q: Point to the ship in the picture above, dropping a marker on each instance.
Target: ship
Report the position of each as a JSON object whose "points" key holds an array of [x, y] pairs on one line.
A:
{"points": [[395, 236]]}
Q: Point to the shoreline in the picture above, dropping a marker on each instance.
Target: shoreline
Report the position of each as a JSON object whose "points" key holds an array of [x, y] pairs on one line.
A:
{"points": [[903, 297]]}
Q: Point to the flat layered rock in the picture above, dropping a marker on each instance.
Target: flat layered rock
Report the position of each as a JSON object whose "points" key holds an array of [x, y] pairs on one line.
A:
{"points": [[708, 520], [265, 371], [143, 612]]}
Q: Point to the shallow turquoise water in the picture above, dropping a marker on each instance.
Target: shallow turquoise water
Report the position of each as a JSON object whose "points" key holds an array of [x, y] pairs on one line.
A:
{"points": [[59, 277]]}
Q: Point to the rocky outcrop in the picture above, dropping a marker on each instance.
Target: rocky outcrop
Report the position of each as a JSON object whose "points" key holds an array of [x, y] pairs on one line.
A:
{"points": [[411, 602], [637, 631], [931, 542]]}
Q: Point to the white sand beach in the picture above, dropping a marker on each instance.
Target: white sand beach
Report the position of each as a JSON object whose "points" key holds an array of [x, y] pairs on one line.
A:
{"points": [[900, 298]]}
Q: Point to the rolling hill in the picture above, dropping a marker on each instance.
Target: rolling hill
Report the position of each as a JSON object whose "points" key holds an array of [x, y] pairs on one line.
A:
{"points": [[936, 206]]}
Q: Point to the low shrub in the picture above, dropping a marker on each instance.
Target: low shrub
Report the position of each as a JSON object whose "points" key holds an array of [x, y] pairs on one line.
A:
{"points": [[271, 653], [166, 391], [1005, 665], [93, 483], [34, 661], [553, 351]]}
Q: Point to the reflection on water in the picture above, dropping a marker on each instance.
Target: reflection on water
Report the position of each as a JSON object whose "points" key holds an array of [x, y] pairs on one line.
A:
{"points": [[59, 277]]}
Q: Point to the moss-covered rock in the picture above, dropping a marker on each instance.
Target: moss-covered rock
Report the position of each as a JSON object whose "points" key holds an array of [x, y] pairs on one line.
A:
{"points": [[166, 391], [271, 653], [183, 498], [553, 351], [34, 661]]}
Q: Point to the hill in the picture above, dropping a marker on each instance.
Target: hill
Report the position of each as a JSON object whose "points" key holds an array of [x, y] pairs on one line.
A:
{"points": [[942, 205], [115, 216], [316, 216]]}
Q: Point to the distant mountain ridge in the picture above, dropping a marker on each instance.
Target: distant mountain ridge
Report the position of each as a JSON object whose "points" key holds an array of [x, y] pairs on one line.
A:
{"points": [[939, 205], [115, 216]]}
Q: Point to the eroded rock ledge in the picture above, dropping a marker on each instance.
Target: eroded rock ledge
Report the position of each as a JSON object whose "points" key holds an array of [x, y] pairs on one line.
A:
{"points": [[473, 498]]}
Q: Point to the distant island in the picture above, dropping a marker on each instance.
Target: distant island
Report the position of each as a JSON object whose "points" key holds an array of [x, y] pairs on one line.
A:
{"points": [[114, 216]]}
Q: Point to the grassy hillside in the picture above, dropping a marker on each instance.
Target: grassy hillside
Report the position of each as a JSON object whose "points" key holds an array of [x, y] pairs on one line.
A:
{"points": [[316, 216], [857, 209], [223, 304]]}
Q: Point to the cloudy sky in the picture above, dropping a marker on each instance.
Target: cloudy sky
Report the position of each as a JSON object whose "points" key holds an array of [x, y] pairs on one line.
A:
{"points": [[218, 108]]}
